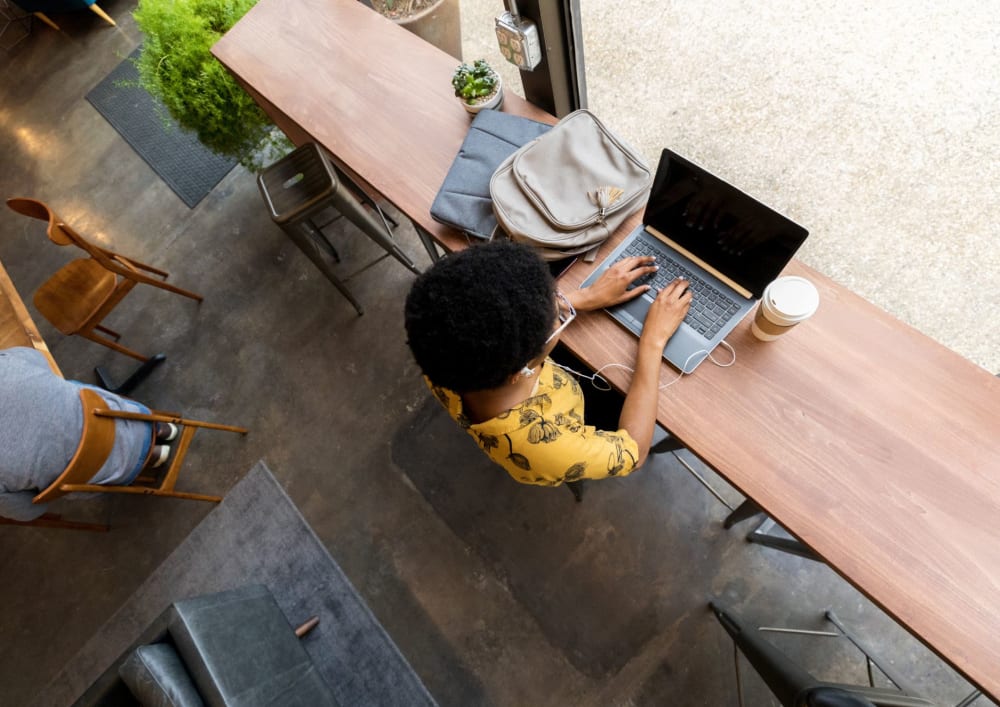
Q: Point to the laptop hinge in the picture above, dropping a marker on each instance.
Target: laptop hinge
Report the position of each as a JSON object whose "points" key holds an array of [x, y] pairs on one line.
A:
{"points": [[701, 263]]}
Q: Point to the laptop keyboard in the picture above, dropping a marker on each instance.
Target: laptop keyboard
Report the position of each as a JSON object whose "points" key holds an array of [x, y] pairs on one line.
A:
{"points": [[710, 307]]}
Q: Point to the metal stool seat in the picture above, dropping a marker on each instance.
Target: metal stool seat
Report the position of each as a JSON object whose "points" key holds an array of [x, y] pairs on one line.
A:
{"points": [[298, 187]]}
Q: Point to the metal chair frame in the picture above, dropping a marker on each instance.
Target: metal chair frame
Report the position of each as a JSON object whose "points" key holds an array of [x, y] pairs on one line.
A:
{"points": [[788, 682], [11, 15], [324, 187]]}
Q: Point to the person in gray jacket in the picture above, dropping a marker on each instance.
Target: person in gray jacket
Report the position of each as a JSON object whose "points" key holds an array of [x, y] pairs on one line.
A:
{"points": [[41, 421]]}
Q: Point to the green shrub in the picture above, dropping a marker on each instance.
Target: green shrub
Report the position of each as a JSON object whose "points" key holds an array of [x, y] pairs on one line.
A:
{"points": [[177, 67]]}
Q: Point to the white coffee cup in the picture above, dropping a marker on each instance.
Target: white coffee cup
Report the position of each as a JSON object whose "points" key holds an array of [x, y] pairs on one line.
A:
{"points": [[786, 302]]}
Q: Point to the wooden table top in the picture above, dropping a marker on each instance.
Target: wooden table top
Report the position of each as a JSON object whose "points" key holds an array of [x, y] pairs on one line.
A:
{"points": [[876, 446], [383, 105], [16, 325]]}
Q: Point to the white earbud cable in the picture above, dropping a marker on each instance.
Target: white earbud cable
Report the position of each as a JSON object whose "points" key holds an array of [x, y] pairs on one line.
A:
{"points": [[607, 386]]}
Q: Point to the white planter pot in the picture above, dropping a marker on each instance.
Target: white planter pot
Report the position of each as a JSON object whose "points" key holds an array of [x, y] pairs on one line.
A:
{"points": [[493, 101]]}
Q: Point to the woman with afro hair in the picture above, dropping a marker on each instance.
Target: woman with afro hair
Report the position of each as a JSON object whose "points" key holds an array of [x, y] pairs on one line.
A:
{"points": [[481, 324]]}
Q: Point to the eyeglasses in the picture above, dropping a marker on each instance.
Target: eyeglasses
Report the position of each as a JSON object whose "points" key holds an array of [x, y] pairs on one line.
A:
{"points": [[566, 314]]}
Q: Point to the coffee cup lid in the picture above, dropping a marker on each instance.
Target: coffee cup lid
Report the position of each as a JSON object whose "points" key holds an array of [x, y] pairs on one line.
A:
{"points": [[792, 298]]}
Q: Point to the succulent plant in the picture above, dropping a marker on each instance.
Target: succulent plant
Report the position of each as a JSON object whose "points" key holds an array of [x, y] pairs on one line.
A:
{"points": [[474, 82]]}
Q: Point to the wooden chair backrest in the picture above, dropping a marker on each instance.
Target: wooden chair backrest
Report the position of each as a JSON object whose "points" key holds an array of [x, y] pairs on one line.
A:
{"points": [[95, 445], [58, 231], [61, 233]]}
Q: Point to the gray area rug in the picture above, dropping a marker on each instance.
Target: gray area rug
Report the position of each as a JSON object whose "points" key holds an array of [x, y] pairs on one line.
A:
{"points": [[591, 574], [256, 535], [176, 155]]}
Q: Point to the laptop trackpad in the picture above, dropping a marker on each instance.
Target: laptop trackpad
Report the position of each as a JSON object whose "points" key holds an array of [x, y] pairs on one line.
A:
{"points": [[635, 309]]}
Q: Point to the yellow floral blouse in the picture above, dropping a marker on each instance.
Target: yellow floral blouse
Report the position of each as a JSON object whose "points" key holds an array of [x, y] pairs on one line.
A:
{"points": [[544, 440]]}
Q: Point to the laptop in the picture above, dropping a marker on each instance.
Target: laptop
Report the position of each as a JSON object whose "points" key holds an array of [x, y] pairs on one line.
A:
{"points": [[728, 245]]}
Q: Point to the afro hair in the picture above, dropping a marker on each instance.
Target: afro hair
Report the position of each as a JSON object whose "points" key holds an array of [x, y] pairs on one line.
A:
{"points": [[479, 315]]}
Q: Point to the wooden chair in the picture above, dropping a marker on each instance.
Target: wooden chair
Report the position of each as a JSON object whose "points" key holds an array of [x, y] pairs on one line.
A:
{"points": [[82, 293], [95, 445]]}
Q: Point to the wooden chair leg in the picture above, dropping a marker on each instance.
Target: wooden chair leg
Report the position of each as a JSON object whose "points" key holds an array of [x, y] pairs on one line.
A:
{"points": [[190, 496], [180, 450], [109, 332], [160, 416], [173, 288], [102, 14], [138, 491], [129, 262], [132, 274], [112, 345], [54, 520], [44, 18]]}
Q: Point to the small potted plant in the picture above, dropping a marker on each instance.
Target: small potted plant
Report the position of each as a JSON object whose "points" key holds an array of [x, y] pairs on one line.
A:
{"points": [[478, 86]]}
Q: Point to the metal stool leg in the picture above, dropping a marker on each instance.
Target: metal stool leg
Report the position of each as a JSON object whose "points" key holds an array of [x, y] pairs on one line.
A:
{"points": [[888, 671], [308, 246], [12, 15], [321, 238], [365, 199], [381, 213], [793, 685], [356, 214]]}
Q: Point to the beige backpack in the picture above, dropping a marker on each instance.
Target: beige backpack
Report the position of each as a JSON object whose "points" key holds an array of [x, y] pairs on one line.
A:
{"points": [[568, 190]]}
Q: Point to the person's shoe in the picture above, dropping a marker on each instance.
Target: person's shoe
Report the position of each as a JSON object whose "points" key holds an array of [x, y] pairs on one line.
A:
{"points": [[166, 431], [159, 456]]}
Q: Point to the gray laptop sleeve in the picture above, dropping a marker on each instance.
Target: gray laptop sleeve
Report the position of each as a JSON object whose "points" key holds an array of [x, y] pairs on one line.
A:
{"points": [[463, 202]]}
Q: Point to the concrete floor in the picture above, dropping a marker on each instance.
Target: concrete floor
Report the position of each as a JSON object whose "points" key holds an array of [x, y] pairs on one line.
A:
{"points": [[498, 594]]}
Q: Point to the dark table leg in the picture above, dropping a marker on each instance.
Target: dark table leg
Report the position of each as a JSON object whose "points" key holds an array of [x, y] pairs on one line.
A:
{"points": [[747, 509], [138, 376], [760, 536]]}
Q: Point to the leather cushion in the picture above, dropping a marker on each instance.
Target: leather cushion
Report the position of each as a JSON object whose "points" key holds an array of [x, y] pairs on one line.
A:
{"points": [[156, 677], [240, 651]]}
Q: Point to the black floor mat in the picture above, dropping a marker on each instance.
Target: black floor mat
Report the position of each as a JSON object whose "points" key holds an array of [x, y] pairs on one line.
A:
{"points": [[176, 155]]}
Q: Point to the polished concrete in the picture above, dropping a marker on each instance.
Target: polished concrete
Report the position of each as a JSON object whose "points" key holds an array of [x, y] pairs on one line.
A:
{"points": [[498, 594]]}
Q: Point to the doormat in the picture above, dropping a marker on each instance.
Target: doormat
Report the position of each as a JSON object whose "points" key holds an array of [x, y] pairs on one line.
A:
{"points": [[175, 154], [257, 536]]}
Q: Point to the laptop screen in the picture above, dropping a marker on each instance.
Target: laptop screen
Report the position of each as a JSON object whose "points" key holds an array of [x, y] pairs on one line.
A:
{"points": [[731, 231]]}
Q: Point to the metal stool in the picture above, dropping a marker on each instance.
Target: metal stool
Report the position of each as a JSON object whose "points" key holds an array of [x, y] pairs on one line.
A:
{"points": [[13, 16], [795, 687], [298, 187]]}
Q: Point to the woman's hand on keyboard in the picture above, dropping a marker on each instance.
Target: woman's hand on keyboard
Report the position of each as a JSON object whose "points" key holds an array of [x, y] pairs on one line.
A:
{"points": [[665, 315], [612, 287]]}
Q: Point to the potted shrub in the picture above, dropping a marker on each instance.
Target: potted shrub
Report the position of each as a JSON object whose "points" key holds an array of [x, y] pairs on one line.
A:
{"points": [[177, 67], [478, 86]]}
